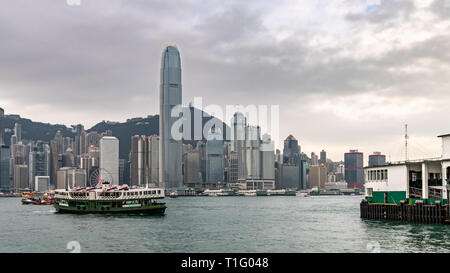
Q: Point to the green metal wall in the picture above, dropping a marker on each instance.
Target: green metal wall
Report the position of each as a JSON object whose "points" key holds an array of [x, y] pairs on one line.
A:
{"points": [[393, 197]]}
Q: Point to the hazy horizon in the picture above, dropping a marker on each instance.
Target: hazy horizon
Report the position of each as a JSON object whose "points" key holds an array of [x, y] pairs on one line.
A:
{"points": [[346, 74]]}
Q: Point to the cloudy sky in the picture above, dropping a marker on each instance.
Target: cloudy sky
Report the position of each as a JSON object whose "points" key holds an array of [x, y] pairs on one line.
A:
{"points": [[345, 73]]}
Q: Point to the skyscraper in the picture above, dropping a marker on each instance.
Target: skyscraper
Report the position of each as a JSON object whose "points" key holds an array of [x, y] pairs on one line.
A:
{"points": [[293, 170], [290, 151], [39, 161], [214, 158], [109, 159], [323, 157], [18, 132], [354, 172], [238, 124], [170, 97]]}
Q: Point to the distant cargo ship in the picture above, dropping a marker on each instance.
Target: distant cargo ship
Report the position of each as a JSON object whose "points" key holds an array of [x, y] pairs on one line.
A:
{"points": [[109, 199]]}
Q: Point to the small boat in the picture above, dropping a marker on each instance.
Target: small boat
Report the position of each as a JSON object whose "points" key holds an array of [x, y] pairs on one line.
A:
{"points": [[173, 195]]}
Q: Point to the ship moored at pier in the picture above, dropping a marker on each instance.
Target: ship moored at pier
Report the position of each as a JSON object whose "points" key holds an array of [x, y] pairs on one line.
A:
{"points": [[110, 199], [411, 190]]}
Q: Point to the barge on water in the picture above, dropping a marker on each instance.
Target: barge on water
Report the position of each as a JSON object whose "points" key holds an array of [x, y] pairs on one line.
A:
{"points": [[413, 191], [110, 199]]}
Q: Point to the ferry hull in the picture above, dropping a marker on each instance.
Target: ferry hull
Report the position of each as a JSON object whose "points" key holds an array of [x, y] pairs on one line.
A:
{"points": [[153, 210]]}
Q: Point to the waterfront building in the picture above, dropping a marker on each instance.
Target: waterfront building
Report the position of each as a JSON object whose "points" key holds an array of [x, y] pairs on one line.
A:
{"points": [[291, 151], [71, 177], [21, 181], [233, 167], [42, 183], [154, 160], [238, 136], [214, 157], [201, 147], [317, 176], [39, 161], [170, 157], [354, 172], [377, 159], [417, 181], [144, 160], [294, 168], [267, 159], [192, 169], [109, 159]]}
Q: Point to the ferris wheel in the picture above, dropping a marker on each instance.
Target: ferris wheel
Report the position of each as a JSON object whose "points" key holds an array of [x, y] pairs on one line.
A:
{"points": [[100, 175]]}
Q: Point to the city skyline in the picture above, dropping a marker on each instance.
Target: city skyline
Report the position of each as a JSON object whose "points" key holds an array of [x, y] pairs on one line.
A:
{"points": [[361, 73]]}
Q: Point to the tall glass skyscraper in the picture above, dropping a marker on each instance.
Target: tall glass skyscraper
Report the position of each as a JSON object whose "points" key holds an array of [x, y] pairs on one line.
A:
{"points": [[171, 149]]}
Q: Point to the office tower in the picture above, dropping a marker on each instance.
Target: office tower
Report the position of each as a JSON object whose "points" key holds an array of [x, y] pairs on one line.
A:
{"points": [[76, 177], [290, 151], [2, 126], [135, 158], [122, 170], [21, 181], [5, 161], [68, 144], [144, 160], [238, 127], [252, 153], [170, 157], [78, 130], [293, 170], [59, 140], [201, 147], [54, 163], [233, 167], [70, 177], [214, 157], [267, 159], [91, 139], [39, 161], [68, 158], [278, 157], [323, 157], [377, 159], [154, 160], [191, 174], [314, 159], [317, 176], [89, 164], [83, 147], [354, 172], [42, 183], [109, 159]]}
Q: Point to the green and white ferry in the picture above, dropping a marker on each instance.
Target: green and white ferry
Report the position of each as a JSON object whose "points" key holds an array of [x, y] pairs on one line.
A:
{"points": [[105, 198]]}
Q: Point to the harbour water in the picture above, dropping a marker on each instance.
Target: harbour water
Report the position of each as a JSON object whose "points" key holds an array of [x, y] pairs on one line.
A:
{"points": [[219, 224]]}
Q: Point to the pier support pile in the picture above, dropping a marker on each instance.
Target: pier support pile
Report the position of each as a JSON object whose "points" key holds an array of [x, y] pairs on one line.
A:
{"points": [[417, 213]]}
